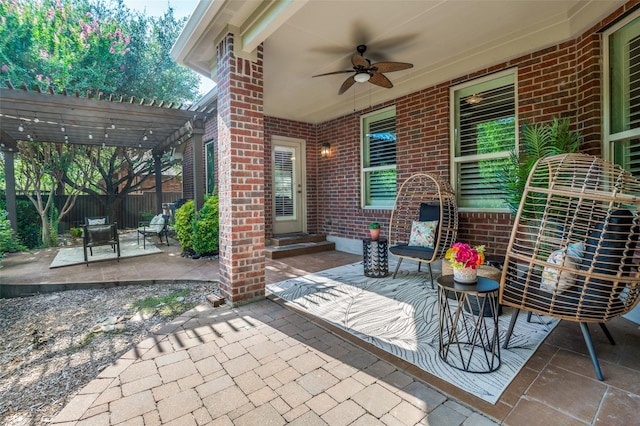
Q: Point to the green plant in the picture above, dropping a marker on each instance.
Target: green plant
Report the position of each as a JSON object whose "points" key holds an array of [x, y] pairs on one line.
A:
{"points": [[183, 225], [536, 142], [29, 228], [146, 216], [205, 227], [76, 232], [374, 225], [170, 305], [9, 242]]}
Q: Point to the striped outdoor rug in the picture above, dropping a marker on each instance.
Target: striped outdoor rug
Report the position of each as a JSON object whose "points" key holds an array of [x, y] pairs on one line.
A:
{"points": [[400, 316]]}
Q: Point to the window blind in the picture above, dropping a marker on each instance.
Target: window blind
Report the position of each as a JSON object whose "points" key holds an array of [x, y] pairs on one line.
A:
{"points": [[284, 184], [488, 125]]}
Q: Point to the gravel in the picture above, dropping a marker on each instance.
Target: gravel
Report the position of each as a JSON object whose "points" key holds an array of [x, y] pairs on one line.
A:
{"points": [[52, 345]]}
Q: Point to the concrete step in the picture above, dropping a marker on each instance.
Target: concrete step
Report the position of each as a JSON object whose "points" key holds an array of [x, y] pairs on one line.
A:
{"points": [[288, 239], [289, 250]]}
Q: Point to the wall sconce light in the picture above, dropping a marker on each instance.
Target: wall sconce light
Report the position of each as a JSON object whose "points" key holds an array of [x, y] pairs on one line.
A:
{"points": [[326, 149]]}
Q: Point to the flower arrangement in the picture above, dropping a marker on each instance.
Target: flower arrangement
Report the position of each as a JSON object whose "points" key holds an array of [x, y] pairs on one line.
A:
{"points": [[462, 255]]}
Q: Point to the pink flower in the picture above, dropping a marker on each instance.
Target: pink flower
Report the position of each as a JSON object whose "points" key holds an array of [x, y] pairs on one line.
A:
{"points": [[88, 14], [461, 255], [5, 68], [39, 77], [112, 50], [121, 67]]}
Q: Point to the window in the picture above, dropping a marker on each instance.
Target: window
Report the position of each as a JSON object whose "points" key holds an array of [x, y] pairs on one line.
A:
{"points": [[210, 167], [379, 159], [483, 135], [622, 92]]}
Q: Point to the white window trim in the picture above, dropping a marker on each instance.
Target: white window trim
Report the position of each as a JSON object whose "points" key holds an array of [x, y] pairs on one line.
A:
{"points": [[608, 140], [363, 170], [453, 163]]}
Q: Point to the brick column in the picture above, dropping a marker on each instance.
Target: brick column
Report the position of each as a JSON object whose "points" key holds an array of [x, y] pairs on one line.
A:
{"points": [[240, 174]]}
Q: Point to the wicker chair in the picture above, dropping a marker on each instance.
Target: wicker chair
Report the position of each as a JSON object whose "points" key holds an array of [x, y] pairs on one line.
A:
{"points": [[570, 255], [423, 197]]}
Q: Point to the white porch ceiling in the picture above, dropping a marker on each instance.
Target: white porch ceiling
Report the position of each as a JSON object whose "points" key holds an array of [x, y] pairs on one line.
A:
{"points": [[444, 40]]}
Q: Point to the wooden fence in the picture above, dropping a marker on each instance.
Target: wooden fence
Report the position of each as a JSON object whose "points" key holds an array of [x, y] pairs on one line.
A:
{"points": [[128, 215]]}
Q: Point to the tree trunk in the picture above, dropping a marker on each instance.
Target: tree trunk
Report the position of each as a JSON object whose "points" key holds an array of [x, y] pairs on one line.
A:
{"points": [[46, 232]]}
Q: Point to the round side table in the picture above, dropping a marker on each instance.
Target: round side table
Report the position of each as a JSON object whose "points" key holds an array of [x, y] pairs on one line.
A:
{"points": [[375, 257], [469, 339]]}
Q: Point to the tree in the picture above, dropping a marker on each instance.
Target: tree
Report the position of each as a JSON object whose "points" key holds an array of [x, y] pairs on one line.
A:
{"points": [[119, 171], [96, 45], [42, 167]]}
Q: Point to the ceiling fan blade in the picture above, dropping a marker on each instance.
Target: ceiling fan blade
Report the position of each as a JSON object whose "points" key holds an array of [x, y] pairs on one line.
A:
{"points": [[331, 73], [391, 66], [380, 80], [346, 85], [359, 61]]}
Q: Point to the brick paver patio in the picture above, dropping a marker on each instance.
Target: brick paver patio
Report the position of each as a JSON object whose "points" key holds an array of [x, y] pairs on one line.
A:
{"points": [[258, 364]]}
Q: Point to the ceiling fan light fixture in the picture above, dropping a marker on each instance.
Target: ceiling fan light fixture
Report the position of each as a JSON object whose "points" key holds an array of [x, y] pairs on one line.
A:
{"points": [[362, 77]]}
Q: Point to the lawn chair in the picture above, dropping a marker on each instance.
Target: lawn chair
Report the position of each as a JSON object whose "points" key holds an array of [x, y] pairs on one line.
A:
{"points": [[158, 226]]}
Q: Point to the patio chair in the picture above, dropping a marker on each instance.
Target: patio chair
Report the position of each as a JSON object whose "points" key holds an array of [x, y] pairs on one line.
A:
{"points": [[571, 251], [158, 226], [96, 220], [100, 235], [424, 220]]}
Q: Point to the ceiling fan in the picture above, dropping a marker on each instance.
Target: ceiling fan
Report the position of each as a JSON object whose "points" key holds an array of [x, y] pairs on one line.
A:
{"points": [[366, 71]]}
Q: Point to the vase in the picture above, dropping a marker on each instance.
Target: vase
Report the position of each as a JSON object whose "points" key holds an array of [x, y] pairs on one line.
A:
{"points": [[465, 275]]}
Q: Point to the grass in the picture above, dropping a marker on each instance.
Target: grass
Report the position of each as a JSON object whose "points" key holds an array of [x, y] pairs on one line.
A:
{"points": [[165, 305]]}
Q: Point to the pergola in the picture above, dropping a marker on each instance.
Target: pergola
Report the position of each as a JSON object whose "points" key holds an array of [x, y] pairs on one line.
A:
{"points": [[91, 119]]}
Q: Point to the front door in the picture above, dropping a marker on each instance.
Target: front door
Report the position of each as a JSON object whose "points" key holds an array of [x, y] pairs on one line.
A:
{"points": [[289, 207]]}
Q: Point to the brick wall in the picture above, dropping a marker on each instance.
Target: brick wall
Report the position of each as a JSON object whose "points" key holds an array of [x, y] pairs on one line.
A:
{"points": [[559, 81], [241, 149], [169, 184]]}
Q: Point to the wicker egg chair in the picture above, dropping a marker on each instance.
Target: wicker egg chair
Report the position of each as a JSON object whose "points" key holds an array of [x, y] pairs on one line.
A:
{"points": [[571, 250], [423, 197]]}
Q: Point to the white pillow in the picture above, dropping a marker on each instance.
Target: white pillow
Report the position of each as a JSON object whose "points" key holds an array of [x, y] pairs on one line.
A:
{"points": [[101, 221], [156, 223], [552, 278], [423, 234]]}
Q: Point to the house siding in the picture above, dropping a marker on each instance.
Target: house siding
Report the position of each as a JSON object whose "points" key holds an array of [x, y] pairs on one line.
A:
{"points": [[560, 81]]}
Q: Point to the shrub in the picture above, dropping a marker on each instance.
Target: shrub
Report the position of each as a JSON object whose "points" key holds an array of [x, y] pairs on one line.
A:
{"points": [[29, 228], [146, 216], [29, 224], [205, 227], [183, 225], [76, 232], [9, 242]]}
